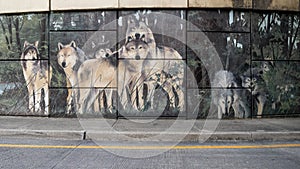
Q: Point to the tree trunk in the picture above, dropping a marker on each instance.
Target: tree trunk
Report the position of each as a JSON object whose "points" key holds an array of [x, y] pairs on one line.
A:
{"points": [[9, 26], [284, 27], [4, 33], [43, 35], [17, 27]]}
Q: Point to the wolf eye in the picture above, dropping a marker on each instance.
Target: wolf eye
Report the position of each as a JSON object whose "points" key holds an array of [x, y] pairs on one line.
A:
{"points": [[140, 47], [132, 48], [228, 101], [223, 101], [248, 79]]}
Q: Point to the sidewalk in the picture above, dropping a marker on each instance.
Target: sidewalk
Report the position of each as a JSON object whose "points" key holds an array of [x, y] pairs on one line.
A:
{"points": [[150, 129]]}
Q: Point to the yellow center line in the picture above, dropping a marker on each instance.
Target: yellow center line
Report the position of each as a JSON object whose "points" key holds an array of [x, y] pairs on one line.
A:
{"points": [[152, 147]]}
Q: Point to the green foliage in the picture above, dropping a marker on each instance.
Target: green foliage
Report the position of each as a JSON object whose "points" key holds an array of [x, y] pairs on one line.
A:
{"points": [[283, 88], [11, 72]]}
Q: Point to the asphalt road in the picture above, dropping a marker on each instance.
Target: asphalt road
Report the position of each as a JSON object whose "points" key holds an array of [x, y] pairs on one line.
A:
{"points": [[42, 153]]}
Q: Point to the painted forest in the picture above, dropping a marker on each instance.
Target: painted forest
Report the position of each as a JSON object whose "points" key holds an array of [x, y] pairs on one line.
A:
{"points": [[243, 40]]}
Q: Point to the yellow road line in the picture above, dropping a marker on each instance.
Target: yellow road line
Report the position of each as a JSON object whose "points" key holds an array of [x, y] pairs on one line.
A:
{"points": [[153, 147]]}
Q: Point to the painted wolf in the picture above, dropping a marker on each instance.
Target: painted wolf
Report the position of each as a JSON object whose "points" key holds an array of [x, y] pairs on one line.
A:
{"points": [[70, 57], [102, 73], [37, 76], [226, 97], [253, 81], [170, 79], [97, 78]]}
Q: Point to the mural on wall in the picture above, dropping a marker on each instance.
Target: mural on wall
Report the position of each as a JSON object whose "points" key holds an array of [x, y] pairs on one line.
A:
{"points": [[117, 64], [17, 60]]}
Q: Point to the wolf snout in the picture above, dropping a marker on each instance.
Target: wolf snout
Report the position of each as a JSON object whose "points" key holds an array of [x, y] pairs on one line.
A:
{"points": [[137, 36], [106, 55], [137, 57], [63, 64]]}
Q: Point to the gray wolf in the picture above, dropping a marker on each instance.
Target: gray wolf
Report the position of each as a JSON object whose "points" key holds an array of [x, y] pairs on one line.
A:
{"points": [[253, 81], [70, 57], [37, 76], [170, 73], [226, 96]]}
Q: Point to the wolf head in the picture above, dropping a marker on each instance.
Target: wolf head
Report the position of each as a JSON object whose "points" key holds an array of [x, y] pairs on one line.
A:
{"points": [[136, 49], [103, 53], [251, 78], [225, 101], [139, 30], [68, 55], [30, 51]]}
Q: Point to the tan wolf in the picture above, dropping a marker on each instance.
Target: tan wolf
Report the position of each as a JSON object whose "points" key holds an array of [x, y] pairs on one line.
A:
{"points": [[170, 73], [70, 57], [96, 79], [37, 76], [102, 73]]}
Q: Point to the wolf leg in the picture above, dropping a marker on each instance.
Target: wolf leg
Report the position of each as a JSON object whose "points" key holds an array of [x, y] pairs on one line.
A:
{"points": [[150, 93], [97, 102], [83, 102], [31, 99], [72, 102], [246, 109], [260, 105], [38, 97], [46, 99], [169, 89], [219, 112], [109, 100], [236, 108], [181, 100]]}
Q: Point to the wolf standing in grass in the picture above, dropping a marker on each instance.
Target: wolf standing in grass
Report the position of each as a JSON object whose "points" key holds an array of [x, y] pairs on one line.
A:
{"points": [[70, 57], [171, 81], [226, 96], [37, 77]]}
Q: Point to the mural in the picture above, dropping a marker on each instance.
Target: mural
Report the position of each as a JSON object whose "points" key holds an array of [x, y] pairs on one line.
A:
{"points": [[139, 63]]}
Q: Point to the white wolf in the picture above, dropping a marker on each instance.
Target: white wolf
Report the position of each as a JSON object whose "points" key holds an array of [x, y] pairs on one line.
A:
{"points": [[226, 95]]}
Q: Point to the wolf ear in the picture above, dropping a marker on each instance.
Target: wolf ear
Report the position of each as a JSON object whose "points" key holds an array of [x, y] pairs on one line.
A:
{"points": [[36, 44], [60, 46], [73, 44], [108, 51], [129, 38], [130, 20], [143, 38], [145, 20], [25, 44]]}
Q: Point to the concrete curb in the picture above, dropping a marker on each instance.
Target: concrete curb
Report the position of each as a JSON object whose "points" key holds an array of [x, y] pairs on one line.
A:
{"points": [[193, 137], [153, 136], [52, 134]]}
